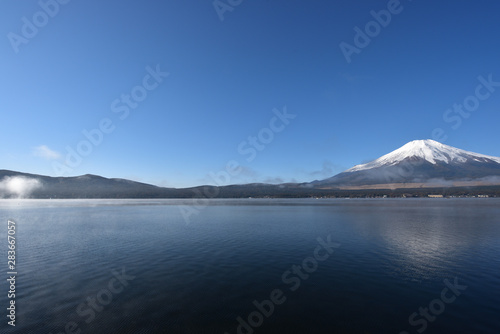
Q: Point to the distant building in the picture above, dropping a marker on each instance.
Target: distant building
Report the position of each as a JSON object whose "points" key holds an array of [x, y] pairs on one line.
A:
{"points": [[435, 196]]}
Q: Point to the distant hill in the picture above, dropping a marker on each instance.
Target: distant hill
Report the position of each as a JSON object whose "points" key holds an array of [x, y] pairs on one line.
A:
{"points": [[85, 186]]}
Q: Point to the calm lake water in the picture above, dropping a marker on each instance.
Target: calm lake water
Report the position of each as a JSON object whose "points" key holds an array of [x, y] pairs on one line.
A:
{"points": [[254, 266]]}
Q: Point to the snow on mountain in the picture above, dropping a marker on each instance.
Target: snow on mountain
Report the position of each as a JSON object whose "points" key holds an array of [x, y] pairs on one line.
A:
{"points": [[428, 150], [420, 162]]}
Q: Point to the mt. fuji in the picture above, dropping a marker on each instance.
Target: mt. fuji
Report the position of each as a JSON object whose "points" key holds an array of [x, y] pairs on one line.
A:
{"points": [[420, 163]]}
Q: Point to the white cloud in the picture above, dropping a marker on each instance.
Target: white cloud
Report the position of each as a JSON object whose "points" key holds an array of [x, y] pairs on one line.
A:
{"points": [[45, 152], [18, 186]]}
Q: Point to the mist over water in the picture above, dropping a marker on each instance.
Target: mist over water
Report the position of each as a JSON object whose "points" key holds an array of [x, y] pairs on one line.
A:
{"points": [[393, 257], [18, 186]]}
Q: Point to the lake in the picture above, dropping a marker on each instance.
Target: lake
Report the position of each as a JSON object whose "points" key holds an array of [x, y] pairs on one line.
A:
{"points": [[254, 266]]}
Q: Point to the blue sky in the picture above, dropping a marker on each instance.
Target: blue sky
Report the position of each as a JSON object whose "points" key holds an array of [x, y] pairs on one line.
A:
{"points": [[72, 71]]}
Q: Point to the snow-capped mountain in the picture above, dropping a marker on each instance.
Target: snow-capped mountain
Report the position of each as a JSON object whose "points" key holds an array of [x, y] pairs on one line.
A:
{"points": [[421, 161], [429, 150]]}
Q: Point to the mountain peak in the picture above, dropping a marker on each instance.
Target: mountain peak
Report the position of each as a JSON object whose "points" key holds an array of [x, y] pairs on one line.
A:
{"points": [[424, 141], [429, 150], [422, 144]]}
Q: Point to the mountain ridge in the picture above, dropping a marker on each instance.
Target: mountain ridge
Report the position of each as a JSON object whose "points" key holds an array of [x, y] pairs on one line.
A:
{"points": [[419, 164]]}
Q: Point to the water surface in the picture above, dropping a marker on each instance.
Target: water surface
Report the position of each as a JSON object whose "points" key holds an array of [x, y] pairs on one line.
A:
{"points": [[393, 257]]}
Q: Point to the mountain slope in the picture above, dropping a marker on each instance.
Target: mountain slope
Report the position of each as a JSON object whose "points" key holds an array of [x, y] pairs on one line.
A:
{"points": [[17, 184], [430, 151], [420, 162]]}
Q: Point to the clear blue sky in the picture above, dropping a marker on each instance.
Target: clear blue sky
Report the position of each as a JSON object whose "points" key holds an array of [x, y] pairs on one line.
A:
{"points": [[226, 77]]}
